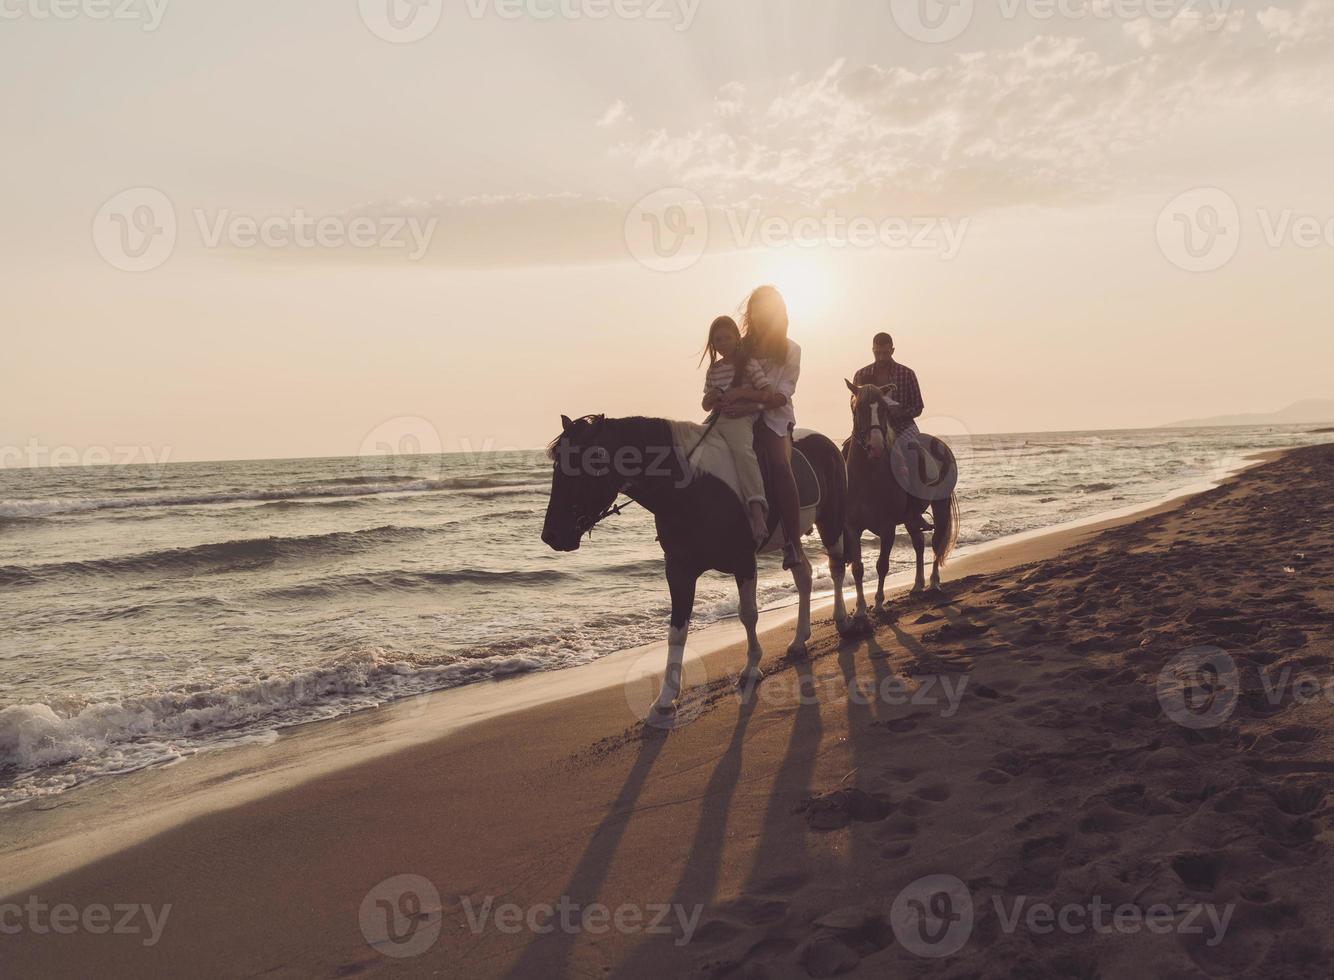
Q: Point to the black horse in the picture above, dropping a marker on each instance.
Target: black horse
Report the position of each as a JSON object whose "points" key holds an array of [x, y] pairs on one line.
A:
{"points": [[701, 522], [879, 500]]}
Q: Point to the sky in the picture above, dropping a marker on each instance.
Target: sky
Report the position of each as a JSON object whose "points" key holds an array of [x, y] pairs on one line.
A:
{"points": [[251, 230]]}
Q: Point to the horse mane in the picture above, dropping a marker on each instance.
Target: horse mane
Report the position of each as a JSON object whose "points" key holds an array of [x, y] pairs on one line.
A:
{"points": [[634, 429]]}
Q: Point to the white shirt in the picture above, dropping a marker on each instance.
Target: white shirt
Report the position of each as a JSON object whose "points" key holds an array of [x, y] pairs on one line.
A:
{"points": [[783, 378]]}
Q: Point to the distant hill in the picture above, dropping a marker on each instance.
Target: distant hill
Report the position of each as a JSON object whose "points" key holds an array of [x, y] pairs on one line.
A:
{"points": [[1312, 410]]}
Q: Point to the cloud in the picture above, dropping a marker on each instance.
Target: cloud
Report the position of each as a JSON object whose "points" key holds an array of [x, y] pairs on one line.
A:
{"points": [[1050, 120], [617, 112]]}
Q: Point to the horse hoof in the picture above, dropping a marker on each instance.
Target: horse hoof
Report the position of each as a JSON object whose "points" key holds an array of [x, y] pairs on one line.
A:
{"points": [[918, 589], [660, 717]]}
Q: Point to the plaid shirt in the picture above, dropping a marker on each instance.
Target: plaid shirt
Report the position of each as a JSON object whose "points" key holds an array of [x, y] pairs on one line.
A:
{"points": [[904, 390]]}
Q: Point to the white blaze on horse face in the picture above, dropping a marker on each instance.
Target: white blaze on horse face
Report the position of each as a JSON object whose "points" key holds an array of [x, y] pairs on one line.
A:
{"points": [[877, 434]]}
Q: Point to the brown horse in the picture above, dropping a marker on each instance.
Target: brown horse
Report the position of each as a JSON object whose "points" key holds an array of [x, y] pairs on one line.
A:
{"points": [[878, 500], [701, 522]]}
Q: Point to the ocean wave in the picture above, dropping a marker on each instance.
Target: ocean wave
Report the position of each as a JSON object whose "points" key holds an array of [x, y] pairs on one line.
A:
{"points": [[362, 481], [43, 507], [213, 558], [97, 738], [499, 492], [403, 581], [8, 523], [644, 566], [302, 504]]}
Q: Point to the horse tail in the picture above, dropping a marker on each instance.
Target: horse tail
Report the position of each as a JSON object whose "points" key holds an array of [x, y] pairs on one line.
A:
{"points": [[945, 514]]}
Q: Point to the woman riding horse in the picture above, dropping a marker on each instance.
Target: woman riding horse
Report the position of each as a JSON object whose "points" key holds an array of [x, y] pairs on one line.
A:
{"points": [[765, 324]]}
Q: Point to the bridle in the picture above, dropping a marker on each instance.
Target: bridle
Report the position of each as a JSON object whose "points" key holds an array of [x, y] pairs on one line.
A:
{"points": [[862, 437], [585, 525]]}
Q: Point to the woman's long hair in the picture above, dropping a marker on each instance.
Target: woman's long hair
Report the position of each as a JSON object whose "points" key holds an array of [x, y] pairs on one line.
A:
{"points": [[710, 351], [765, 322]]}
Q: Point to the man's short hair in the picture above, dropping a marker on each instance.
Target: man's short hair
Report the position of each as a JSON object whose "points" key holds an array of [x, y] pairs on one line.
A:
{"points": [[882, 340]]}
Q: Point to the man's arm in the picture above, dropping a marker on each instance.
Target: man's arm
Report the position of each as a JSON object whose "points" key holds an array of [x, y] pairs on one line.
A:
{"points": [[909, 397]]}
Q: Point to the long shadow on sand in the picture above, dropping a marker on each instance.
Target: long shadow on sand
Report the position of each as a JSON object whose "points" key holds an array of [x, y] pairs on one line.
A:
{"points": [[546, 955]]}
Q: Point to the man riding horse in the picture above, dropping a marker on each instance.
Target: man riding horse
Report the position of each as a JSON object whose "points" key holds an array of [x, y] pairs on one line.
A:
{"points": [[899, 383]]}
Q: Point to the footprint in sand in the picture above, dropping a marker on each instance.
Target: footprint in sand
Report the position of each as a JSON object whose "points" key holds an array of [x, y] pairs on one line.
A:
{"points": [[905, 773], [898, 725], [716, 931], [783, 884], [1198, 871], [1298, 799], [758, 911], [898, 825], [935, 793]]}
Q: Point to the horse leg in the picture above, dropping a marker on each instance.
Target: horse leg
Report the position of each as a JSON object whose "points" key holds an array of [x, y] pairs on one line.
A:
{"points": [[919, 545], [837, 571], [943, 515], [801, 575], [882, 568], [681, 582], [749, 614], [852, 544]]}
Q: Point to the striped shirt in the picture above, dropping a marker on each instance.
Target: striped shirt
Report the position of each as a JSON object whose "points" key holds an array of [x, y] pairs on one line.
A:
{"points": [[723, 373]]}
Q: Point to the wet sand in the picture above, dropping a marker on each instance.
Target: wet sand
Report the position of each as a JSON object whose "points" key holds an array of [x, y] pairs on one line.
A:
{"points": [[1022, 741]]}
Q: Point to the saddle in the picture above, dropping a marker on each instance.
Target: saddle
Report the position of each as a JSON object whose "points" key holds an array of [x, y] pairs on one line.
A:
{"points": [[705, 452]]}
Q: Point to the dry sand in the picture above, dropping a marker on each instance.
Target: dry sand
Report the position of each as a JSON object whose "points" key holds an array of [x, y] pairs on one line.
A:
{"points": [[983, 755]]}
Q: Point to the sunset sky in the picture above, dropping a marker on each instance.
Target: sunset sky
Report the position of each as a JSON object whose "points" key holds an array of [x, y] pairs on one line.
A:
{"points": [[1009, 202]]}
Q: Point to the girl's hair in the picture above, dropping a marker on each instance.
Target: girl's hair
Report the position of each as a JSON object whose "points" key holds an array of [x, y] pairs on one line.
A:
{"points": [[710, 351], [765, 317]]}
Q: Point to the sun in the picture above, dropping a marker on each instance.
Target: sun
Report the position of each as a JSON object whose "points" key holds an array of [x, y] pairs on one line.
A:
{"points": [[803, 277]]}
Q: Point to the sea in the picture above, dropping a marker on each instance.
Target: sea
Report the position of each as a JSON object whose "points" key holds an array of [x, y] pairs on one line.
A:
{"points": [[150, 612]]}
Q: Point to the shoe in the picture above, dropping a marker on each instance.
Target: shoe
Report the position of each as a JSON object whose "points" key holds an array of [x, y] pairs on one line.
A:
{"points": [[915, 523]]}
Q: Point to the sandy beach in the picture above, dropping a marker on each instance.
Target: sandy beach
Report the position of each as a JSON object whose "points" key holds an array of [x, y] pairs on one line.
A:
{"points": [[1101, 752]]}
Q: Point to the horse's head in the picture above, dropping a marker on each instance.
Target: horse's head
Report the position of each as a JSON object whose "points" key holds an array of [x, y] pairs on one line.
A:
{"points": [[583, 483], [870, 418]]}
